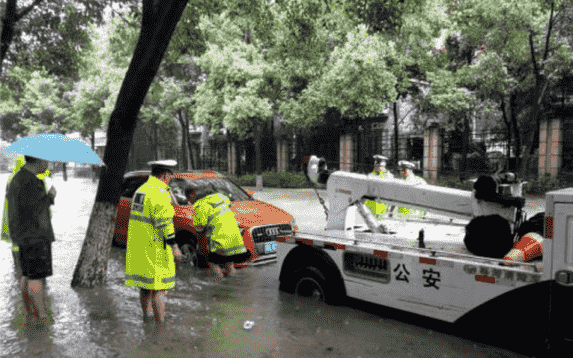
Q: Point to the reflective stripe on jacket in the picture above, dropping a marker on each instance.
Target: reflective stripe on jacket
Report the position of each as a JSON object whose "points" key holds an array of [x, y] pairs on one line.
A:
{"points": [[149, 262], [213, 215]]}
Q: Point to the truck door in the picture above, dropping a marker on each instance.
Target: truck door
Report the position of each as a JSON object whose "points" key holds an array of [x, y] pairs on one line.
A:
{"points": [[561, 294]]}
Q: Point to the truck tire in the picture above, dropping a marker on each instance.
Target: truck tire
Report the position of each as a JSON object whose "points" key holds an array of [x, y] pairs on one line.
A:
{"points": [[310, 282]]}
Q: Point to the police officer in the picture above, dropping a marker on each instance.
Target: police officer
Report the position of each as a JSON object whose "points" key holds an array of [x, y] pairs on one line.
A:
{"points": [[151, 247], [407, 174], [214, 219], [379, 208]]}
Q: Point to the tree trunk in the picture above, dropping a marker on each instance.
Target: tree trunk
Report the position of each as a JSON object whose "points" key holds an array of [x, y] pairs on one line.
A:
{"points": [[10, 18], [192, 153], [541, 83], [184, 135], [64, 171], [396, 131], [509, 136], [466, 139], [157, 25], [8, 21], [515, 127], [258, 133], [93, 148]]}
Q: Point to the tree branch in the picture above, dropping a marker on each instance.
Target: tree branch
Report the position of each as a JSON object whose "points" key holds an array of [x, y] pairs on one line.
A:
{"points": [[550, 26], [533, 60], [27, 9]]}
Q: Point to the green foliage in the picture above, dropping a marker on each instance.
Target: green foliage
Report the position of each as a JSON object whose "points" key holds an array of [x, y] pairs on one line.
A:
{"points": [[382, 16], [236, 92]]}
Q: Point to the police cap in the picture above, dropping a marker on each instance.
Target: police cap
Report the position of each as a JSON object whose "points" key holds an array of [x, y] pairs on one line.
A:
{"points": [[379, 158], [162, 165], [406, 164]]}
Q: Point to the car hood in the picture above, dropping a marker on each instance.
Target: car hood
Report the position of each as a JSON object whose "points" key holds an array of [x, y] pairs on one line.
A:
{"points": [[251, 213]]}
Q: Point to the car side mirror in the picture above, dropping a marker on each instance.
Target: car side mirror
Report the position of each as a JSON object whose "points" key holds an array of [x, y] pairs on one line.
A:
{"points": [[250, 193]]}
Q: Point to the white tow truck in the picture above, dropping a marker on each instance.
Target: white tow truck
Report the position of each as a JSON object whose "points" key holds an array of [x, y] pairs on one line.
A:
{"points": [[422, 266]]}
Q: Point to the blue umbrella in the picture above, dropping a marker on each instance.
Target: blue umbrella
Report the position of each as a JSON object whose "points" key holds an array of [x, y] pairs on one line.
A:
{"points": [[54, 147]]}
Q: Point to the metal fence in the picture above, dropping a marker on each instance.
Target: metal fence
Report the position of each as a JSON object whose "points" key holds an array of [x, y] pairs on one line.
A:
{"points": [[485, 152]]}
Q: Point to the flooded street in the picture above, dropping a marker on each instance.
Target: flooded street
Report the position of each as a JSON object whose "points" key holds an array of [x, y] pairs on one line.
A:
{"points": [[204, 318]]}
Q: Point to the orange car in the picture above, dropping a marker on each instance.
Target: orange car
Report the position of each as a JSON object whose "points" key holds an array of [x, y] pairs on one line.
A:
{"points": [[260, 223]]}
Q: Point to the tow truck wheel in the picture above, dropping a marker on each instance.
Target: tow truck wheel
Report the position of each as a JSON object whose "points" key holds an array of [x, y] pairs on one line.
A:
{"points": [[309, 282]]}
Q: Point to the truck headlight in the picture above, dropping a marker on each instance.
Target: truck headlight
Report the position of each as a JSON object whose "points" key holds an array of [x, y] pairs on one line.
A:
{"points": [[293, 225]]}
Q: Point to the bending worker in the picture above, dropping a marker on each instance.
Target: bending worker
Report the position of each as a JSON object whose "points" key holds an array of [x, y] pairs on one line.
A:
{"points": [[151, 247], [407, 174], [378, 207], [213, 218]]}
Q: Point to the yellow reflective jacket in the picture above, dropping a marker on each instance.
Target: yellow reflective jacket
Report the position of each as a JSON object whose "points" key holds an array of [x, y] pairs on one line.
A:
{"points": [[149, 261], [378, 207], [405, 212], [20, 162], [212, 214]]}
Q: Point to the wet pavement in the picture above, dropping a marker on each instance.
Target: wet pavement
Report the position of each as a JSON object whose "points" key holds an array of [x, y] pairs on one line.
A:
{"points": [[204, 318]]}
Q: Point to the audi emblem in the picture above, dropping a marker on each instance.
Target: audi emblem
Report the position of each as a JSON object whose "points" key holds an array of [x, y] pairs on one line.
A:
{"points": [[273, 231]]}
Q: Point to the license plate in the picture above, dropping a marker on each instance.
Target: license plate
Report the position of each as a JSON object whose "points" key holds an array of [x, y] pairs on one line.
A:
{"points": [[270, 247]]}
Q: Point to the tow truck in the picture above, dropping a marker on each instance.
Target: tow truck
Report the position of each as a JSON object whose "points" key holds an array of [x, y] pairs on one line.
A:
{"points": [[422, 266]]}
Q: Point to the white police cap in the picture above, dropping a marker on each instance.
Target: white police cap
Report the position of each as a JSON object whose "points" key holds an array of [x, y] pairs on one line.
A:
{"points": [[379, 157], [406, 164], [167, 163]]}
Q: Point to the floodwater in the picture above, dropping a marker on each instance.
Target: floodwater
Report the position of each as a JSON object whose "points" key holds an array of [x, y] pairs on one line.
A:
{"points": [[204, 318]]}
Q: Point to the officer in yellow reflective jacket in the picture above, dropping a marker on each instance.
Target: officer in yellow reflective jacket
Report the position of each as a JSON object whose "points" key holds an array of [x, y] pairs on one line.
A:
{"points": [[407, 174], [378, 207], [213, 218], [5, 236], [151, 248]]}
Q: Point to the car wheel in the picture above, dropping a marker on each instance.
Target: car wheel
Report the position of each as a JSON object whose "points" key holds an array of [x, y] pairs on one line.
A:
{"points": [[311, 283], [191, 255]]}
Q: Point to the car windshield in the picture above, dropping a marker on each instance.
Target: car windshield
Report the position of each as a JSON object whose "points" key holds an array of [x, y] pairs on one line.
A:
{"points": [[222, 185]]}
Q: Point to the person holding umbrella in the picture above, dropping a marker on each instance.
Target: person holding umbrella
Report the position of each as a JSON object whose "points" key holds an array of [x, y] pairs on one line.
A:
{"points": [[5, 236], [30, 228], [151, 247], [29, 218]]}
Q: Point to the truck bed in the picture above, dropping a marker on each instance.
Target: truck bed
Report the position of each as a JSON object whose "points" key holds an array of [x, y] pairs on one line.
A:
{"points": [[440, 240]]}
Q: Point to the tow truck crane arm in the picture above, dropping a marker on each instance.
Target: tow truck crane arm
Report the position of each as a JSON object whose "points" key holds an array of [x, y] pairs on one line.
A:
{"points": [[346, 189]]}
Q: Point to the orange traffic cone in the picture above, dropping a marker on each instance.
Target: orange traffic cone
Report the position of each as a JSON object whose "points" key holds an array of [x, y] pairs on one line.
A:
{"points": [[529, 247]]}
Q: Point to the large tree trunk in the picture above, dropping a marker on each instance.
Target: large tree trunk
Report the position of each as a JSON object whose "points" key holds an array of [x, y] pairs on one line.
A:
{"points": [[158, 22]]}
